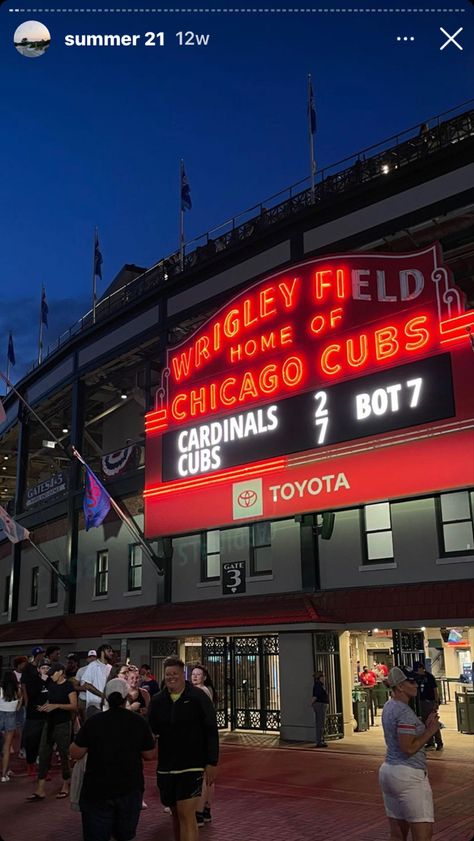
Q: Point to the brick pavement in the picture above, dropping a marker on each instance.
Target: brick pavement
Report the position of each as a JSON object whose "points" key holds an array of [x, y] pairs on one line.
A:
{"points": [[267, 793]]}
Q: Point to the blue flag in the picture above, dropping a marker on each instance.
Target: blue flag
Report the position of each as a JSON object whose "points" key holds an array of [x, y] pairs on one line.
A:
{"points": [[96, 503], [186, 203], [11, 351], [311, 109], [97, 258], [44, 308]]}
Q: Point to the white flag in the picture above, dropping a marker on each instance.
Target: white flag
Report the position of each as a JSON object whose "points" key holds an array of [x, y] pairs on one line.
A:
{"points": [[12, 530]]}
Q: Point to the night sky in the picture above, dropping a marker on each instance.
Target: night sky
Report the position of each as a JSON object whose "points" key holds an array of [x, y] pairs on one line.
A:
{"points": [[93, 136]]}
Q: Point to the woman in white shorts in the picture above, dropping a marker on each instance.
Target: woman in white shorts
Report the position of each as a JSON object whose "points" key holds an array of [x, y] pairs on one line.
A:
{"points": [[403, 777]]}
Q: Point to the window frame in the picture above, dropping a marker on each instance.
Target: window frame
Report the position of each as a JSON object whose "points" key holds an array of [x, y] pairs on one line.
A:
{"points": [[366, 561], [132, 567], [6, 595], [54, 584], [98, 590], [34, 587], [443, 552], [253, 548], [205, 555]]}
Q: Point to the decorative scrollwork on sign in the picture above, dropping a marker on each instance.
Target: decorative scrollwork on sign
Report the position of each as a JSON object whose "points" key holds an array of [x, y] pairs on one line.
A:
{"points": [[246, 645], [334, 725], [270, 645], [164, 647], [272, 720], [326, 642], [214, 646]]}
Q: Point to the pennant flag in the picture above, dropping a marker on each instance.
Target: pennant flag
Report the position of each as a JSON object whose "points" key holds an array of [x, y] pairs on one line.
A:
{"points": [[12, 530], [311, 109], [98, 260], [96, 503], [44, 308], [186, 203], [11, 351]]}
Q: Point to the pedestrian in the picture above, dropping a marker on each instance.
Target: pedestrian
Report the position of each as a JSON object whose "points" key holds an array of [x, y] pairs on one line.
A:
{"points": [[138, 697], [33, 684], [53, 653], [319, 702], [116, 742], [81, 701], [72, 665], [60, 706], [148, 680], [428, 698], [367, 677], [19, 664], [10, 702], [184, 719], [201, 679], [403, 776], [95, 677]]}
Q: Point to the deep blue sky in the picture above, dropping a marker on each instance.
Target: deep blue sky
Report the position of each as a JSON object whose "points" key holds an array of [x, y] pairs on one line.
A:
{"points": [[93, 136]]}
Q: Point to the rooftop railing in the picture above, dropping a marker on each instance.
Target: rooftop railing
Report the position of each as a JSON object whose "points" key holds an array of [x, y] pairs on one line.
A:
{"points": [[374, 163]]}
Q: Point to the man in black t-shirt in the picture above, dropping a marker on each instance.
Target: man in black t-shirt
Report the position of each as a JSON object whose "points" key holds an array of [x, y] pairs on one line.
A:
{"points": [[115, 742], [32, 686], [429, 700]]}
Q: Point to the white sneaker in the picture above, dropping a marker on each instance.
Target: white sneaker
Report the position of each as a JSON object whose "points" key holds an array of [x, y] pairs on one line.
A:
{"points": [[5, 779]]}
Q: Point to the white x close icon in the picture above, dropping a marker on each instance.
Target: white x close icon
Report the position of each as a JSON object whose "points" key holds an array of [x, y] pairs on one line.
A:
{"points": [[451, 38]]}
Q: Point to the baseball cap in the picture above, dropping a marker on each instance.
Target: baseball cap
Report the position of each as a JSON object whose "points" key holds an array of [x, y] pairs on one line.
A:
{"points": [[72, 656], [92, 653], [38, 649], [116, 685], [398, 675]]}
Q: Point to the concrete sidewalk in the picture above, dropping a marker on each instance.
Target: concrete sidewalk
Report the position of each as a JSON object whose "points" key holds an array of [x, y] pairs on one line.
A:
{"points": [[273, 793]]}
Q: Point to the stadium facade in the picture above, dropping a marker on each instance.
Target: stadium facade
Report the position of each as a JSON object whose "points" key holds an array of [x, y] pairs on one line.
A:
{"points": [[288, 416]]}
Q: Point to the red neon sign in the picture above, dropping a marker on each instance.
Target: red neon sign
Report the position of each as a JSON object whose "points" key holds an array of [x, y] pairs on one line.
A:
{"points": [[323, 320]]}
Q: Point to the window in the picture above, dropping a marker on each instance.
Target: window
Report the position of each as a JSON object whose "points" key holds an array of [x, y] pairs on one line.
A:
{"points": [[53, 584], [102, 573], [34, 587], [456, 518], [260, 548], [378, 533], [135, 562], [6, 595], [211, 556]]}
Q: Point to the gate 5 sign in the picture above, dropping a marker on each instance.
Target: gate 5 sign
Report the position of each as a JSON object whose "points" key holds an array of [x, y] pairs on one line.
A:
{"points": [[233, 578]]}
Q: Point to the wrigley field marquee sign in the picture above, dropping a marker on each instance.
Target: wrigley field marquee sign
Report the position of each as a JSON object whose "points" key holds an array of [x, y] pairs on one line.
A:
{"points": [[330, 351]]}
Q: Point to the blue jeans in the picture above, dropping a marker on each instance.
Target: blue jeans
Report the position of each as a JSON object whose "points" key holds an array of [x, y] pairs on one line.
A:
{"points": [[117, 816]]}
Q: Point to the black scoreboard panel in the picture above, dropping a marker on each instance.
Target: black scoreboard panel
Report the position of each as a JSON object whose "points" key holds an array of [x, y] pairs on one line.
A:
{"points": [[408, 395]]}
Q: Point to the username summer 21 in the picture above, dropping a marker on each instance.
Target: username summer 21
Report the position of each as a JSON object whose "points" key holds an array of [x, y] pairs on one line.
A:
{"points": [[147, 39]]}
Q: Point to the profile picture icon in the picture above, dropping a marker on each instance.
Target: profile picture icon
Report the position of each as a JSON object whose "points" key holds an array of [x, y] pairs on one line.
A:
{"points": [[32, 38]]}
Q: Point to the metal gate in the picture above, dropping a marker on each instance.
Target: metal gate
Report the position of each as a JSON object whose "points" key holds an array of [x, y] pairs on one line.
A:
{"points": [[255, 683], [215, 659], [408, 646], [162, 648], [326, 659]]}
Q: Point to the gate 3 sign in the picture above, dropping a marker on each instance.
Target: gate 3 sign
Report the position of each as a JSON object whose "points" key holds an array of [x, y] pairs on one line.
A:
{"points": [[233, 577], [325, 352]]}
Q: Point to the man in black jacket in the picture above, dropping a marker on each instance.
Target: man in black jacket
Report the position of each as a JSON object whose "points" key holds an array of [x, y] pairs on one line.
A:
{"points": [[184, 719]]}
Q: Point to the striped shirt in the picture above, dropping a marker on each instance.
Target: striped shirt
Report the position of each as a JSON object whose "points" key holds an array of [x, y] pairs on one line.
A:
{"points": [[398, 719]]}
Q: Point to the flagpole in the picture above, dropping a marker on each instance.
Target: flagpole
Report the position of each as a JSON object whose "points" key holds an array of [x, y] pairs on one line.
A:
{"points": [[8, 365], [94, 280], [181, 216], [40, 338], [131, 525], [49, 564], [310, 134]]}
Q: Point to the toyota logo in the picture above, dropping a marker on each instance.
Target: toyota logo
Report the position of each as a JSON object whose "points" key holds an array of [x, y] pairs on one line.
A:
{"points": [[247, 498]]}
